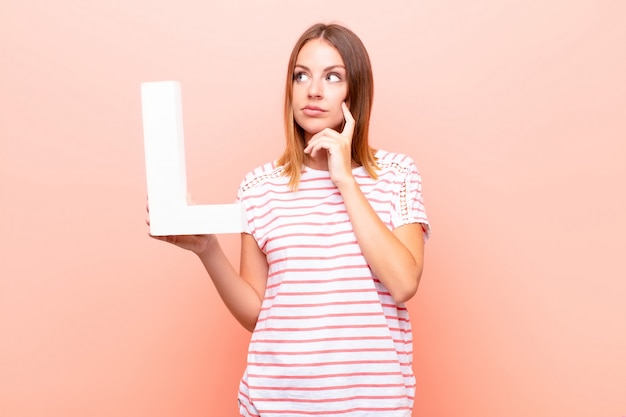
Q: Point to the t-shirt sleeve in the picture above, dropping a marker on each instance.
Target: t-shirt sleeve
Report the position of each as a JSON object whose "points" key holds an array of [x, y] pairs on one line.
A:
{"points": [[408, 204], [240, 200]]}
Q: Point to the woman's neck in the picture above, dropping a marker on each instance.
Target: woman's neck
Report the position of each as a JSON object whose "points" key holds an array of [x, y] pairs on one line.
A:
{"points": [[319, 162]]}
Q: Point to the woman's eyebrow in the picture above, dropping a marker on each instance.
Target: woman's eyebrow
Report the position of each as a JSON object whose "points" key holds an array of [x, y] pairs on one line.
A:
{"points": [[304, 67]]}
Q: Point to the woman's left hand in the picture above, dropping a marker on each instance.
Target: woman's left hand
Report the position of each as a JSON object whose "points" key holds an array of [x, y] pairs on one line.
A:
{"points": [[339, 148]]}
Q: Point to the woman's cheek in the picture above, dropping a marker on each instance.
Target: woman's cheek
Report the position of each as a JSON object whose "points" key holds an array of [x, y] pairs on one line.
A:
{"points": [[338, 118]]}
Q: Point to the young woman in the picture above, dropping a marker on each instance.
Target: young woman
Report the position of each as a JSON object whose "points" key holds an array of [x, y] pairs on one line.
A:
{"points": [[333, 248]]}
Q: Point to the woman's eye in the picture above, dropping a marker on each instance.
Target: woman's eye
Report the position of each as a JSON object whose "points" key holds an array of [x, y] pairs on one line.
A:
{"points": [[332, 77], [300, 76]]}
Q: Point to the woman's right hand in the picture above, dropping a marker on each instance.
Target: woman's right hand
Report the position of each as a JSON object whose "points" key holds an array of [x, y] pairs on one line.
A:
{"points": [[194, 243]]}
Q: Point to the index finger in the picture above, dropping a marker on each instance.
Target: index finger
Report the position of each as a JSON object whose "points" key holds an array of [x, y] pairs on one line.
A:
{"points": [[348, 129]]}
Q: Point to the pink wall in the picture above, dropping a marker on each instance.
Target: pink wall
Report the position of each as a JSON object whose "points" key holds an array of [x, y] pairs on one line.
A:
{"points": [[514, 110]]}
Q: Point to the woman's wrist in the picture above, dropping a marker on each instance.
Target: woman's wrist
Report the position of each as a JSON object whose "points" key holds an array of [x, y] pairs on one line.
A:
{"points": [[347, 184], [210, 244]]}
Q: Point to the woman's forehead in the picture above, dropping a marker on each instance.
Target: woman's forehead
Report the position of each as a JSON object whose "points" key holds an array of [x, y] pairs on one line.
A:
{"points": [[318, 51]]}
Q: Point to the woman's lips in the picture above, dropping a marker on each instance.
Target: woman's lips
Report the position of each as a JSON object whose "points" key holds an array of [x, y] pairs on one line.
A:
{"points": [[313, 111]]}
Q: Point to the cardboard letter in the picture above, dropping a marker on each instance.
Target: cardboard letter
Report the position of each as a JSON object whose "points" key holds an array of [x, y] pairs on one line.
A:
{"points": [[166, 173]]}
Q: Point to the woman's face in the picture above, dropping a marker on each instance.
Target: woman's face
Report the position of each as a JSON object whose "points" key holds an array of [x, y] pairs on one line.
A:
{"points": [[319, 88]]}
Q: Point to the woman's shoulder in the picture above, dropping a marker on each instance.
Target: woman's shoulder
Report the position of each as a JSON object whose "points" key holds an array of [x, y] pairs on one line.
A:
{"points": [[261, 174], [394, 160]]}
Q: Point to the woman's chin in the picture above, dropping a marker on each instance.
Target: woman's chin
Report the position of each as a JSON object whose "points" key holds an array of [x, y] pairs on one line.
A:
{"points": [[311, 129]]}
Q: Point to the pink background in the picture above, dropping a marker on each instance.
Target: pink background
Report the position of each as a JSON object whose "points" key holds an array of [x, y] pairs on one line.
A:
{"points": [[515, 112]]}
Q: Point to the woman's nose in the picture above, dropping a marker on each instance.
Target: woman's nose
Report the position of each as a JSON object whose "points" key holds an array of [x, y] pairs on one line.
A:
{"points": [[315, 88]]}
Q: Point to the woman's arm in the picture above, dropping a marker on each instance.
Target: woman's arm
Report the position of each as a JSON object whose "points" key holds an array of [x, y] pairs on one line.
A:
{"points": [[242, 292], [396, 257]]}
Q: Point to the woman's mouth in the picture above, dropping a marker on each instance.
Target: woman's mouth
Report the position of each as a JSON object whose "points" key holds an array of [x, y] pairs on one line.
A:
{"points": [[313, 111]]}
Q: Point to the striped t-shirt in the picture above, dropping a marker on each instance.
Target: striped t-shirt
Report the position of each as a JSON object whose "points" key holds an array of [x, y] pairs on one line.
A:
{"points": [[330, 340]]}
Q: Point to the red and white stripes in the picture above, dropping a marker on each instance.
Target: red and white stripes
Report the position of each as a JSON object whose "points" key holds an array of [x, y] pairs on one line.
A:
{"points": [[330, 340]]}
